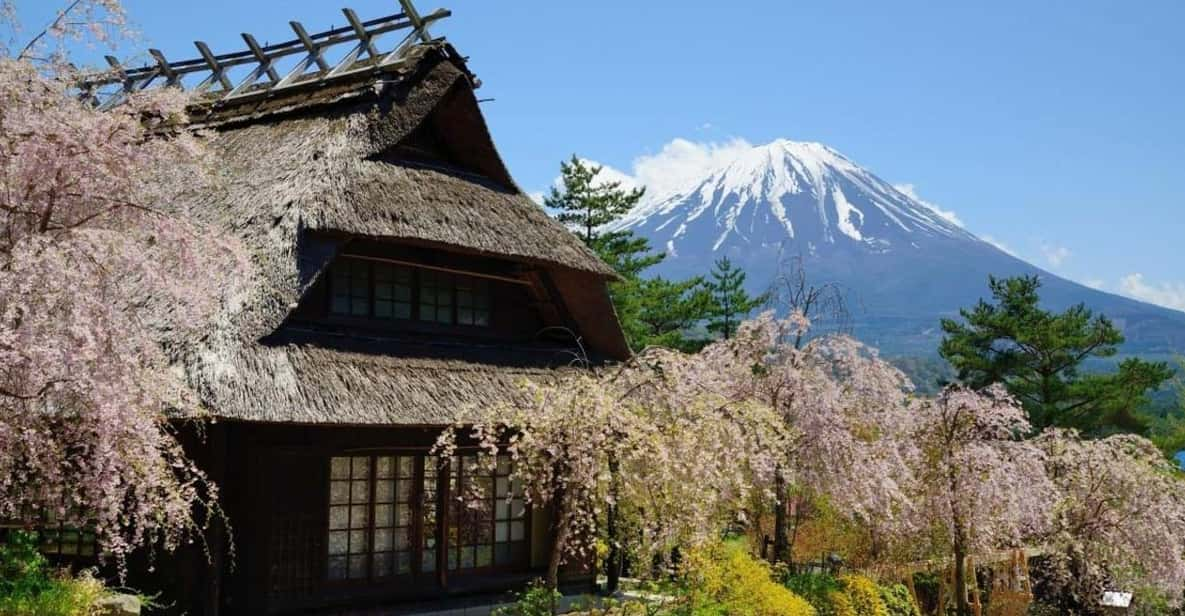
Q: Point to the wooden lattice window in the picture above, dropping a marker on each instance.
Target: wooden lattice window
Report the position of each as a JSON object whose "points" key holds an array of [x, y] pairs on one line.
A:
{"points": [[487, 521], [349, 517], [350, 282], [384, 516], [373, 289], [473, 301], [63, 540], [436, 297], [394, 477], [392, 291], [429, 514], [371, 503]]}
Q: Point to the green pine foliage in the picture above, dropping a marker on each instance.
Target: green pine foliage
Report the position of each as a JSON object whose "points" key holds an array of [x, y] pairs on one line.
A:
{"points": [[1168, 418], [1038, 355], [585, 203], [730, 303], [653, 311]]}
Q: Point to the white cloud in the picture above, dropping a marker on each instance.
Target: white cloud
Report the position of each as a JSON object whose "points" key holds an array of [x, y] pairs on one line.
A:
{"points": [[608, 174], [1055, 254], [909, 190], [1097, 284], [999, 244], [679, 163], [1167, 294], [536, 196]]}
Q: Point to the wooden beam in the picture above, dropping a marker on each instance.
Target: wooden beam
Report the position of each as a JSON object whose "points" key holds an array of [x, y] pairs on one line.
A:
{"points": [[416, 22], [360, 31], [264, 67], [216, 71], [314, 51], [172, 79], [437, 268], [216, 68], [265, 62]]}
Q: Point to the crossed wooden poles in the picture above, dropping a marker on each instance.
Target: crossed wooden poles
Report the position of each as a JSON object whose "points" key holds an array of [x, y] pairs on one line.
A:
{"points": [[365, 55]]}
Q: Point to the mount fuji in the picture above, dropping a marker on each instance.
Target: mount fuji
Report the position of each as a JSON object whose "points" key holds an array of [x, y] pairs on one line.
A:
{"points": [[903, 263]]}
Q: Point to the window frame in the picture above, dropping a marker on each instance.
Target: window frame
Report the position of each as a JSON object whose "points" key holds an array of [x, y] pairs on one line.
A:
{"points": [[482, 302], [445, 482], [459, 464]]}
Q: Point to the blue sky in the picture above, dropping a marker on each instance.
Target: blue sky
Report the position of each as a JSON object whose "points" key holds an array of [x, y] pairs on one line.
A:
{"points": [[1055, 128]]}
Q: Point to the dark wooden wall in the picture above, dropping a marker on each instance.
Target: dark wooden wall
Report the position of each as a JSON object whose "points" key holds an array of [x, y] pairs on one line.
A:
{"points": [[274, 485]]}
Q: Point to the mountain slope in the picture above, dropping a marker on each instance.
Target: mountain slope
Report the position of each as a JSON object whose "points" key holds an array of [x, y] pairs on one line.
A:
{"points": [[904, 264]]}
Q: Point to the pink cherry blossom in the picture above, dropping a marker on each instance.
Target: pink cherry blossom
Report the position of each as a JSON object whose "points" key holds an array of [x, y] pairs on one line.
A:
{"points": [[103, 282]]}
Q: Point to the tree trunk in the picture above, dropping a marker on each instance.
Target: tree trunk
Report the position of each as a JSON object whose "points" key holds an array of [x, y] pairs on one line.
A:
{"points": [[562, 530], [613, 564], [781, 544], [963, 608]]}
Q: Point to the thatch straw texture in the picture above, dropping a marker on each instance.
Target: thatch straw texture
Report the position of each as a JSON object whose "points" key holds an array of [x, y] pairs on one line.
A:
{"points": [[287, 170]]}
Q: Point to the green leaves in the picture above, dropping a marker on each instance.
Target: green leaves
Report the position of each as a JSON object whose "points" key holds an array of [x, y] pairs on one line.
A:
{"points": [[586, 202], [1038, 355], [652, 311], [730, 303]]}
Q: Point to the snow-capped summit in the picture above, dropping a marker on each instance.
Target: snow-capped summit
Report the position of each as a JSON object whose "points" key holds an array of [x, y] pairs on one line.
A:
{"points": [[905, 263], [804, 191]]}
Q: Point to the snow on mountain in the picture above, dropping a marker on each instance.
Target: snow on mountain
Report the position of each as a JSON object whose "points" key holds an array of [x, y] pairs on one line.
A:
{"points": [[906, 263], [789, 189]]}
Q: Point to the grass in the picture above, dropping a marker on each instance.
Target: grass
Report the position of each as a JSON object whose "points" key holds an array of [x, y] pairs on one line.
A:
{"points": [[61, 596]]}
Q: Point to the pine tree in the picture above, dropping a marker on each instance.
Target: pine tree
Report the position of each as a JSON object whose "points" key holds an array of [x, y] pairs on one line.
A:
{"points": [[652, 312], [730, 303], [668, 309], [587, 203], [1038, 356]]}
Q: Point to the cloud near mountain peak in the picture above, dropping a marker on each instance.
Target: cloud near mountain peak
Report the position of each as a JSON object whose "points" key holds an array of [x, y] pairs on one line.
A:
{"points": [[675, 165]]}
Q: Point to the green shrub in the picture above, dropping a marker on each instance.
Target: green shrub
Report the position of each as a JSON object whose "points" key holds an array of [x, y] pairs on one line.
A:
{"points": [[28, 588], [864, 595], [898, 600], [537, 600], [852, 595], [816, 588], [725, 580], [22, 567]]}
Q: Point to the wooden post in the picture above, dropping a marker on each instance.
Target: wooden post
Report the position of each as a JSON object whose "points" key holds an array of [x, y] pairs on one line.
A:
{"points": [[443, 480], [216, 535]]}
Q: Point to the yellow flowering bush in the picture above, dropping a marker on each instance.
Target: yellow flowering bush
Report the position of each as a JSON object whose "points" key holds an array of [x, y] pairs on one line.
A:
{"points": [[839, 604], [863, 596], [727, 580], [846, 595]]}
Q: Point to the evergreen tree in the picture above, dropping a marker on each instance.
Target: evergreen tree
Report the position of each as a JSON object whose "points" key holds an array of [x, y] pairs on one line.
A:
{"points": [[1168, 421], [1038, 356], [652, 311], [730, 303], [585, 203], [668, 309]]}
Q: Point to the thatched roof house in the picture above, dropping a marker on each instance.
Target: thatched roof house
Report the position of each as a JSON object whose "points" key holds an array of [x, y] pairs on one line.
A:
{"points": [[401, 280], [403, 161]]}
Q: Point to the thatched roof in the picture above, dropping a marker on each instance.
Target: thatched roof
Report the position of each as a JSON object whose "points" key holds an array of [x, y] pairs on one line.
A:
{"points": [[304, 380], [322, 162]]}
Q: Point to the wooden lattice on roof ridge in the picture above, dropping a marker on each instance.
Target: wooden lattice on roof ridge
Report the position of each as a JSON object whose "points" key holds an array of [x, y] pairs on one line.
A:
{"points": [[264, 79]]}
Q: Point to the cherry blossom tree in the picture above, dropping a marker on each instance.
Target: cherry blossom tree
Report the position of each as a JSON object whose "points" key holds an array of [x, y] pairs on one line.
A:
{"points": [[847, 409], [981, 487], [654, 439], [103, 280], [680, 445], [1119, 519]]}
